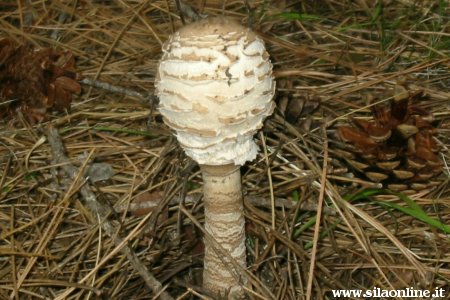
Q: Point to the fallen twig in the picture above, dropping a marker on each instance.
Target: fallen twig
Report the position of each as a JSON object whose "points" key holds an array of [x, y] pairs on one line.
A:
{"points": [[146, 97], [194, 198], [96, 208]]}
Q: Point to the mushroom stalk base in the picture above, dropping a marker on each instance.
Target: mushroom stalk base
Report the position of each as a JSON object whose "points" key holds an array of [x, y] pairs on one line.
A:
{"points": [[224, 221]]}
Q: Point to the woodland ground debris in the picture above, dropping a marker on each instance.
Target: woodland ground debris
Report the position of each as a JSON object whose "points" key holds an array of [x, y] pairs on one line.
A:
{"points": [[336, 52]]}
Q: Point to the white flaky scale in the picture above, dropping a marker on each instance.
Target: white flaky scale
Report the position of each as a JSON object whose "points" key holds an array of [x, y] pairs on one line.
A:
{"points": [[215, 87]]}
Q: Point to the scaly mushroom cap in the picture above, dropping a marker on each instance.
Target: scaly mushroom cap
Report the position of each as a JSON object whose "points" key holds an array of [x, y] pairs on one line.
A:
{"points": [[215, 87]]}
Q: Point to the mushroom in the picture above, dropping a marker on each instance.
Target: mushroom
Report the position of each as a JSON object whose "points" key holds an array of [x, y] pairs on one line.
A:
{"points": [[215, 87]]}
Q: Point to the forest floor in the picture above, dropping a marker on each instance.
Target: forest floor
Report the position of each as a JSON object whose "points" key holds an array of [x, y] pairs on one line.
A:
{"points": [[90, 194]]}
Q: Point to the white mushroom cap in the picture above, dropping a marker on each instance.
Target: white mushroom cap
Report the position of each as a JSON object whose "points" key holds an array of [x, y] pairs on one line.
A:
{"points": [[215, 87]]}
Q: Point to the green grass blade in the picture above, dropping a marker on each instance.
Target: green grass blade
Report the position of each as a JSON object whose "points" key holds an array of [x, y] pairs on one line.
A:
{"points": [[419, 215], [412, 208], [305, 226], [364, 194]]}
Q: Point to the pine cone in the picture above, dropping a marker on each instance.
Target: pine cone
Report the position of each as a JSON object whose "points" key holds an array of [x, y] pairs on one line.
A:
{"points": [[36, 80], [395, 148], [297, 109]]}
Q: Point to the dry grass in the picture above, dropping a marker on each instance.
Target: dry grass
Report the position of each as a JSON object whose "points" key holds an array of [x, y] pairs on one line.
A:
{"points": [[54, 245]]}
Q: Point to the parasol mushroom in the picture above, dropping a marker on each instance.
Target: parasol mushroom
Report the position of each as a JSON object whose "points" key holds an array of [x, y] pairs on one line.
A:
{"points": [[215, 87]]}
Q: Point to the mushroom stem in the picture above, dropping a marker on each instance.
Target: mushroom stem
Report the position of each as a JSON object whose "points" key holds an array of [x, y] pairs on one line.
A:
{"points": [[224, 221]]}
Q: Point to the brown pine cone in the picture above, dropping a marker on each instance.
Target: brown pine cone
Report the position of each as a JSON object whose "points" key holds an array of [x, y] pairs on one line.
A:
{"points": [[296, 108], [396, 147], [36, 80]]}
